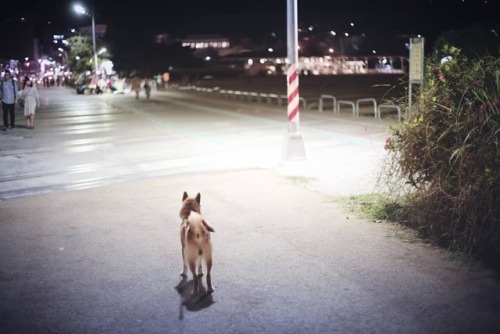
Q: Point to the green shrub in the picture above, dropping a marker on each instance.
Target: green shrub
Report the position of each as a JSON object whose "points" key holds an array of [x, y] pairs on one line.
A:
{"points": [[447, 152]]}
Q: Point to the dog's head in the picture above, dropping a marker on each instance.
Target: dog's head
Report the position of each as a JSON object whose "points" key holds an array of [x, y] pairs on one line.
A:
{"points": [[189, 204]]}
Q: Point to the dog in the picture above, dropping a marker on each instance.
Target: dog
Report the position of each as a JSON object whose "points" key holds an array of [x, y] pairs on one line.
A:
{"points": [[195, 241]]}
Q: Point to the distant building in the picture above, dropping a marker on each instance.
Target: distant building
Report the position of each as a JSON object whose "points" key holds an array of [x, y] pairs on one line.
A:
{"points": [[205, 42]]}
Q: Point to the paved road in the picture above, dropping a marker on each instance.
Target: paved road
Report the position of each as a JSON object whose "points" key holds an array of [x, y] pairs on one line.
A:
{"points": [[89, 226]]}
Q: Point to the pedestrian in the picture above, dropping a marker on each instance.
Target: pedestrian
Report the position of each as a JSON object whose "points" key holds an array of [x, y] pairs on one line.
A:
{"points": [[136, 86], [159, 82], [31, 102], [9, 92], [165, 79], [147, 87]]}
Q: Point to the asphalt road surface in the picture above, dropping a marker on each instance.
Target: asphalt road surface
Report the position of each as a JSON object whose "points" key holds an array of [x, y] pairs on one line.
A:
{"points": [[89, 226]]}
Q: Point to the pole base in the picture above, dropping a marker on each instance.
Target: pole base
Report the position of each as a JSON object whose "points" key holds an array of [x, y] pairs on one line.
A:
{"points": [[293, 147]]}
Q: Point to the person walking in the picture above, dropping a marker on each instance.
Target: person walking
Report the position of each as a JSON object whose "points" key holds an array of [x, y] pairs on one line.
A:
{"points": [[147, 87], [136, 86], [31, 102], [9, 92]]}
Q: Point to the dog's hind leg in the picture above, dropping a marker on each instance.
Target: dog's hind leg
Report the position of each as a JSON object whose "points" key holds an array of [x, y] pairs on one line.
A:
{"points": [[183, 247], [200, 267], [208, 259], [191, 257], [196, 279], [184, 264]]}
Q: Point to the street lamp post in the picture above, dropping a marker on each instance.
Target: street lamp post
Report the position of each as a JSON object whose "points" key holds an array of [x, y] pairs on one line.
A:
{"points": [[82, 10]]}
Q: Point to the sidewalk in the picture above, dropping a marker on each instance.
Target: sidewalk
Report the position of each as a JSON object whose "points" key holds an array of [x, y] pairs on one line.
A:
{"points": [[343, 153]]}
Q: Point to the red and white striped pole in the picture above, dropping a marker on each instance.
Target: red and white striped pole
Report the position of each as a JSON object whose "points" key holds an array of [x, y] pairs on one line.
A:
{"points": [[294, 143], [293, 94]]}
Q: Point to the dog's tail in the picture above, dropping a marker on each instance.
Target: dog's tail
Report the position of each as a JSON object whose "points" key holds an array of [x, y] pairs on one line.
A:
{"points": [[207, 225], [196, 222]]}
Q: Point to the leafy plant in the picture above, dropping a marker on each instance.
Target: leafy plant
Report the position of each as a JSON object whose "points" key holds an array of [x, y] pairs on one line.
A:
{"points": [[447, 152]]}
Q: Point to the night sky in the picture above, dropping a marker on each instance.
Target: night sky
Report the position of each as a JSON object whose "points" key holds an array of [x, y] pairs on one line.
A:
{"points": [[248, 18], [226, 16]]}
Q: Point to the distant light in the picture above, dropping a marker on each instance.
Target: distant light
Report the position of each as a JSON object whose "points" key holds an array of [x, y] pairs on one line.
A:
{"points": [[352, 24], [26, 58], [374, 52], [311, 28], [250, 61], [207, 58], [262, 60], [333, 33], [73, 30], [346, 34], [270, 50], [331, 50], [77, 57]]}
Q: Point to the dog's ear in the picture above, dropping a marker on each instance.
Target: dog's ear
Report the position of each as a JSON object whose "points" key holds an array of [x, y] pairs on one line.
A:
{"points": [[198, 198], [184, 196]]}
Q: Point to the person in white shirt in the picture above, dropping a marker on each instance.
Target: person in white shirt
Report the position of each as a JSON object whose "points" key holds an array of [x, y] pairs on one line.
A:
{"points": [[31, 102]]}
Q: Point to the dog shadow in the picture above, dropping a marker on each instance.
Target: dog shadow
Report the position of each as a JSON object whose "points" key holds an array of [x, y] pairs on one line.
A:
{"points": [[192, 302]]}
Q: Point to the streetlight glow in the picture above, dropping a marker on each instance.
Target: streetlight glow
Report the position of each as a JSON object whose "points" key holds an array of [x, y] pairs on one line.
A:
{"points": [[82, 10]]}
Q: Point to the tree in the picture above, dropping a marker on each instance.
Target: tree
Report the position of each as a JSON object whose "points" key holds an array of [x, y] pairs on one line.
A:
{"points": [[80, 55]]}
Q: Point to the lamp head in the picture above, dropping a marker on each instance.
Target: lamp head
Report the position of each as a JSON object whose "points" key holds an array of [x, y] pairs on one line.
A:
{"points": [[80, 9]]}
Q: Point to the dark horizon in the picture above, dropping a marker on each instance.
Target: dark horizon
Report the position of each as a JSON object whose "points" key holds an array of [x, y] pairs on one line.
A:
{"points": [[143, 19]]}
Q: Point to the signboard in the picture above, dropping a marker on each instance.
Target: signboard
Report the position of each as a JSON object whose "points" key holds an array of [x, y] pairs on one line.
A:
{"points": [[100, 30], [416, 60]]}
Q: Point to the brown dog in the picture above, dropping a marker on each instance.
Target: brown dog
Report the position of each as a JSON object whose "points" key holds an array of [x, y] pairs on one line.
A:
{"points": [[195, 241]]}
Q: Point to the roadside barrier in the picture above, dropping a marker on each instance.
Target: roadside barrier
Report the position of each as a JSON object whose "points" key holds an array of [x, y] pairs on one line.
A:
{"points": [[324, 97], [348, 103], [325, 101], [367, 100], [388, 106]]}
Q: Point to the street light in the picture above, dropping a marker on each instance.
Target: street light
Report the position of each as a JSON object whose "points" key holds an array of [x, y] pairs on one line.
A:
{"points": [[82, 10]]}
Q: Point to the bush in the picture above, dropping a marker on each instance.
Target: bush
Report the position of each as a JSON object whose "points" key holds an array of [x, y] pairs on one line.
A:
{"points": [[447, 152]]}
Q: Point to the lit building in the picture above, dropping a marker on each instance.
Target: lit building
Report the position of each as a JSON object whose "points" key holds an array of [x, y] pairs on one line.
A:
{"points": [[205, 42]]}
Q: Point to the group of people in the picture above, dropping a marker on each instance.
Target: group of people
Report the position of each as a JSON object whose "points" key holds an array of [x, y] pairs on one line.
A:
{"points": [[136, 86], [10, 95]]}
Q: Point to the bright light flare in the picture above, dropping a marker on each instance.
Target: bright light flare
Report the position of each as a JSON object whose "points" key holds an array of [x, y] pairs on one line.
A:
{"points": [[80, 9]]}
